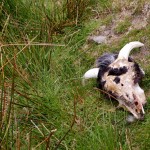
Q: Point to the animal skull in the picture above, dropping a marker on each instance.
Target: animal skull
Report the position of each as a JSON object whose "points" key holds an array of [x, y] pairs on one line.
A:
{"points": [[119, 75]]}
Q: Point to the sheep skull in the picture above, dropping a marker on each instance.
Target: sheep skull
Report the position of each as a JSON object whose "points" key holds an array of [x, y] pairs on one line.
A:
{"points": [[121, 78]]}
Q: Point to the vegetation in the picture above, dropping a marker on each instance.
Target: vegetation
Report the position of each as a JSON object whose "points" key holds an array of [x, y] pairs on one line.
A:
{"points": [[123, 26], [43, 54]]}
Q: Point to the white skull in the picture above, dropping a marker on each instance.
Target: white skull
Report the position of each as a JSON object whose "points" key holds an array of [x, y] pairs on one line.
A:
{"points": [[121, 78]]}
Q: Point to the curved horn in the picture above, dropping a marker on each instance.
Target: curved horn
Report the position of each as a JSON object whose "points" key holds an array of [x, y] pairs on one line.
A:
{"points": [[125, 51], [92, 73]]}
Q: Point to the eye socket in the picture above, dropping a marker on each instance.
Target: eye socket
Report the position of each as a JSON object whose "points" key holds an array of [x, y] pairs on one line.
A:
{"points": [[122, 84], [116, 80]]}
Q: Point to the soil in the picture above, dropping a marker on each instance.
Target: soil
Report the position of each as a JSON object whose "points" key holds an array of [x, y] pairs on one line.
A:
{"points": [[138, 21]]}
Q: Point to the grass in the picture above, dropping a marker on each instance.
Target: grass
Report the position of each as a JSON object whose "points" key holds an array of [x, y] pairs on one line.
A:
{"points": [[43, 104], [123, 26]]}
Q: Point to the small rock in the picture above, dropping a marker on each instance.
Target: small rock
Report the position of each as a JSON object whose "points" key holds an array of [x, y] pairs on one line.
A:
{"points": [[131, 119], [98, 39]]}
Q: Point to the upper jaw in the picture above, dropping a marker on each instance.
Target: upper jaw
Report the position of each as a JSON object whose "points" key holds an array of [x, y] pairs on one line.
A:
{"points": [[135, 107], [139, 115]]}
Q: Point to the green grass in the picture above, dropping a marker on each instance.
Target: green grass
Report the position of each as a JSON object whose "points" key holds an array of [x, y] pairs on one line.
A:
{"points": [[123, 26], [43, 103]]}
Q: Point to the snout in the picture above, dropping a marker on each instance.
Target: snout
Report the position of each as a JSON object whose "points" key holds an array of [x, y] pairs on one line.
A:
{"points": [[134, 106], [141, 116], [131, 118], [134, 117]]}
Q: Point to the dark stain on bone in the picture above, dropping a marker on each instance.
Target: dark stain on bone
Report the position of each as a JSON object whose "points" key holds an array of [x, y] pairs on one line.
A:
{"points": [[118, 71], [103, 83], [101, 72], [130, 59], [127, 95], [117, 80], [127, 102], [138, 73]]}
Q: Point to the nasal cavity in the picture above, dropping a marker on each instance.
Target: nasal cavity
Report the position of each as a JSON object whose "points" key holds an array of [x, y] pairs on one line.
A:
{"points": [[136, 103]]}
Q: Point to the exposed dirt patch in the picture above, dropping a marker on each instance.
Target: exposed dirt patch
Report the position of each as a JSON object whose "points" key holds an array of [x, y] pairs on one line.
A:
{"points": [[138, 16]]}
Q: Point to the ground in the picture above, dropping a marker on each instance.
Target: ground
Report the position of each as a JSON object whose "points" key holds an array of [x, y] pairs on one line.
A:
{"points": [[43, 102]]}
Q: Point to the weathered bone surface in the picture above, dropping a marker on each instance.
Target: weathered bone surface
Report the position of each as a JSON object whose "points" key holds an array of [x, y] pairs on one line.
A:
{"points": [[119, 75]]}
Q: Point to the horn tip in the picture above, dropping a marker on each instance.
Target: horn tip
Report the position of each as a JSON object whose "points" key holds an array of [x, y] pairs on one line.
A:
{"points": [[92, 73], [136, 43], [124, 52]]}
